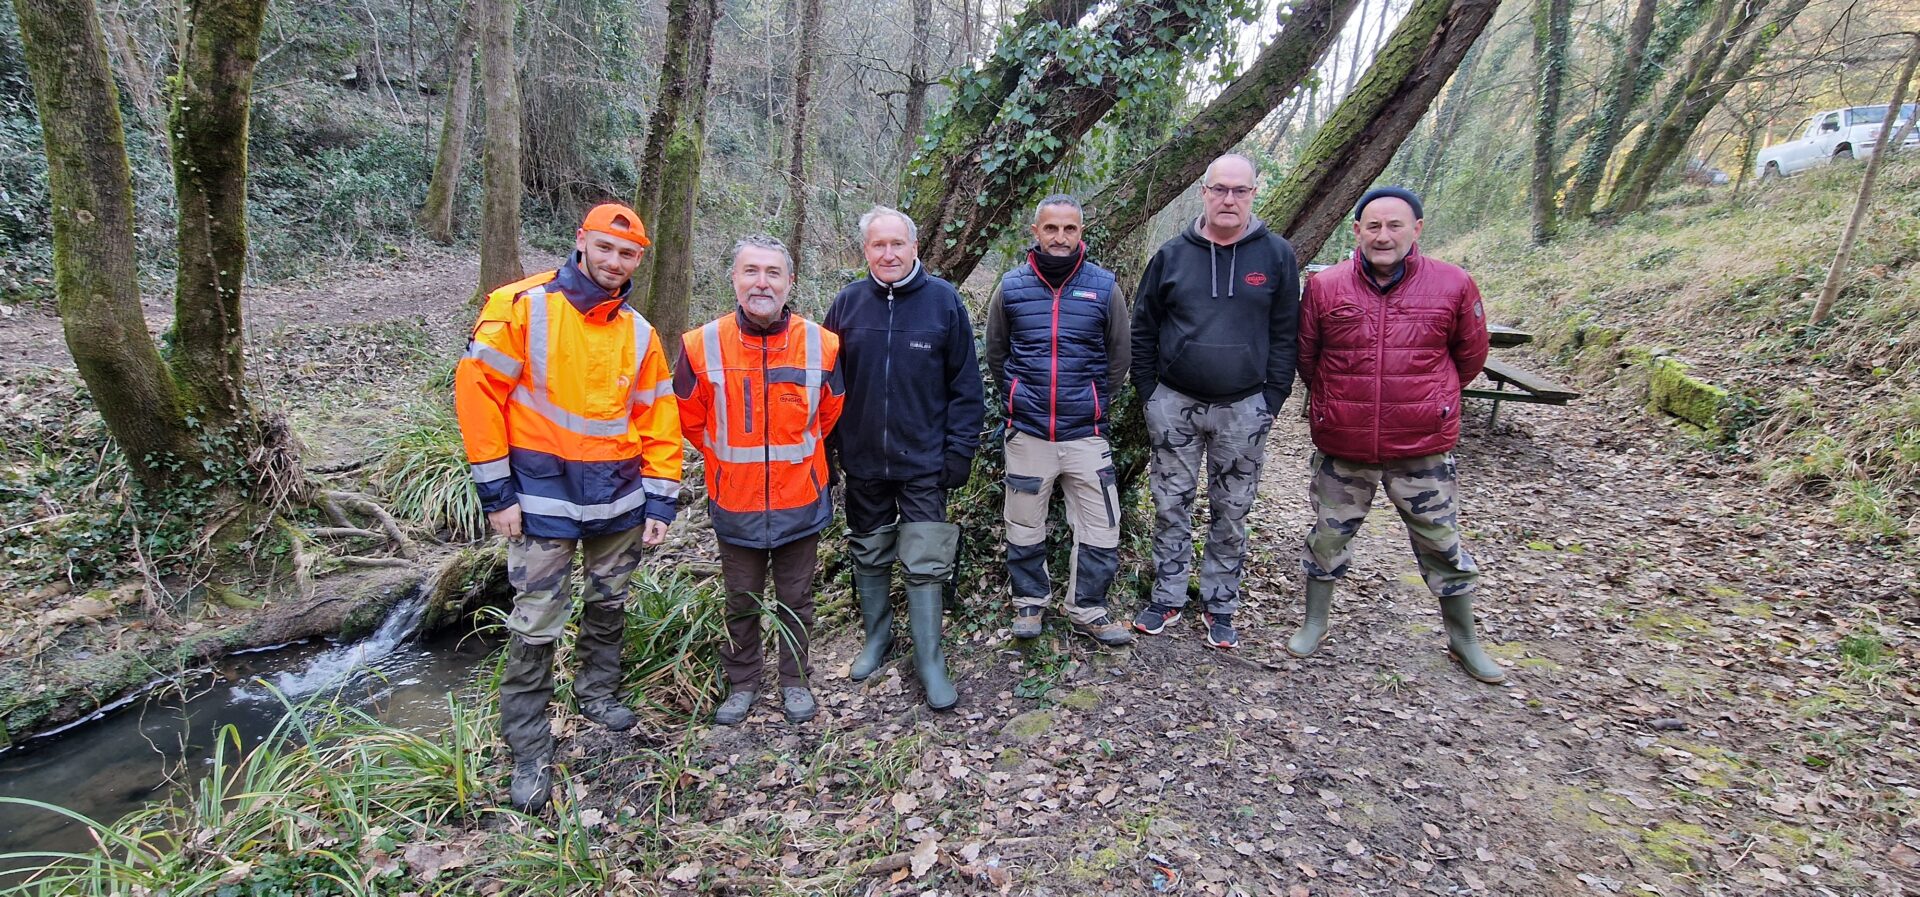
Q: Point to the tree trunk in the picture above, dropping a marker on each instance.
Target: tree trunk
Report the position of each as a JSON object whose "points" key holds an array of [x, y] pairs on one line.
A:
{"points": [[965, 191], [95, 278], [802, 104], [500, 155], [1452, 113], [209, 123], [670, 176], [1830, 290], [1550, 26], [914, 118], [1360, 138], [436, 215], [1619, 96], [1131, 198], [1727, 61]]}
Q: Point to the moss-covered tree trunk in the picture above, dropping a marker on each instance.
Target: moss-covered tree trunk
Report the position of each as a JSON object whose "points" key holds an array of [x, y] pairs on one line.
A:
{"points": [[1131, 198], [95, 278], [914, 116], [209, 124], [1617, 98], [500, 154], [1551, 20], [1360, 138], [966, 190], [1729, 61], [798, 134], [670, 170], [436, 214]]}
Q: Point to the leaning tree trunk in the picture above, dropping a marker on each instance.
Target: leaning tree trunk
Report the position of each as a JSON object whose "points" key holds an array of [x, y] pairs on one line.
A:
{"points": [[436, 215], [1616, 101], [1889, 144], [1360, 138], [964, 193], [670, 174], [95, 278], [1667, 139], [209, 124], [1551, 20], [500, 155], [798, 134], [1131, 198]]}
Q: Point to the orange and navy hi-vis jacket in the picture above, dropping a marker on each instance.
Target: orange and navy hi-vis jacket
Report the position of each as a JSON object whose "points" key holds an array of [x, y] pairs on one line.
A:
{"points": [[758, 403], [566, 406]]}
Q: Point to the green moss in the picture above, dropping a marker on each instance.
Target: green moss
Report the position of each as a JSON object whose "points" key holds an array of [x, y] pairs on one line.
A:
{"points": [[1754, 610], [1083, 699], [1010, 759], [1668, 625], [1675, 845], [1707, 408]]}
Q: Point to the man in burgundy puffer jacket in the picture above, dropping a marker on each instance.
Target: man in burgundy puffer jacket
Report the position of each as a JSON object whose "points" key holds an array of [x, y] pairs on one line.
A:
{"points": [[1387, 339]]}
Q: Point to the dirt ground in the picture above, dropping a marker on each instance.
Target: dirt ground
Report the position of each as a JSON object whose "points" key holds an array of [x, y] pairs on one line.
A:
{"points": [[1709, 695]]}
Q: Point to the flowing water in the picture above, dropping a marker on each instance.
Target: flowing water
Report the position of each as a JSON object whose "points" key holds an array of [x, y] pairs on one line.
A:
{"points": [[108, 766]]}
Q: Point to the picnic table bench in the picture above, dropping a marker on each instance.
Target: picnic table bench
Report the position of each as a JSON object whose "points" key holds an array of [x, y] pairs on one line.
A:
{"points": [[1527, 386]]}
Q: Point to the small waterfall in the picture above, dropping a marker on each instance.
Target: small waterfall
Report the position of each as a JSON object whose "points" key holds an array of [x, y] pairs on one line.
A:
{"points": [[333, 668]]}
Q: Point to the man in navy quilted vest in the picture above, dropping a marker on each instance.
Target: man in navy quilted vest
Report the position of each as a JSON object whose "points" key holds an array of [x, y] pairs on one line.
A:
{"points": [[1057, 346]]}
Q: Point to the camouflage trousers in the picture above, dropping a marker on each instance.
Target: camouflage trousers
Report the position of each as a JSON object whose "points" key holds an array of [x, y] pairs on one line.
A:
{"points": [[1232, 441], [540, 569], [1424, 490]]}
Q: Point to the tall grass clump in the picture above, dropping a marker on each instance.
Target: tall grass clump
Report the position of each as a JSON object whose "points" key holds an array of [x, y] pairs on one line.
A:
{"points": [[421, 468]]}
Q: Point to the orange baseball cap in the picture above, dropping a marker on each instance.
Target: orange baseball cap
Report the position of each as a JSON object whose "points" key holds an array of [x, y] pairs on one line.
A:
{"points": [[616, 220]]}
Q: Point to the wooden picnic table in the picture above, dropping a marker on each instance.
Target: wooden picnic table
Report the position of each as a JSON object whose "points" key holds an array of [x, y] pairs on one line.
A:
{"points": [[1528, 386], [1500, 336]]}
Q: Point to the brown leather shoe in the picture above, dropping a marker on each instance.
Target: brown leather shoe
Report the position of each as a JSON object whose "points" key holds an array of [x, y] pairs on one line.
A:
{"points": [[1105, 631]]}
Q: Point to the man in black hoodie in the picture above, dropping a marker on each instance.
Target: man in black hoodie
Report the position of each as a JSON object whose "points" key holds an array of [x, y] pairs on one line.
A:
{"points": [[1214, 342], [907, 435]]}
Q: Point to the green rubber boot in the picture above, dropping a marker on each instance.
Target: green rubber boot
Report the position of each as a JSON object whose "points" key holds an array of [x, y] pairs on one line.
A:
{"points": [[1314, 629], [873, 555], [926, 555], [1462, 646]]}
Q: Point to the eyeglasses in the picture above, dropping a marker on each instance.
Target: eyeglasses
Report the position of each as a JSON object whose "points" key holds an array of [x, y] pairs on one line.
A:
{"points": [[1222, 192]]}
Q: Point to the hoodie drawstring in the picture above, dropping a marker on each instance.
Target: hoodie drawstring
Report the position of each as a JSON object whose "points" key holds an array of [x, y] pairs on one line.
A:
{"points": [[1213, 272], [1233, 262]]}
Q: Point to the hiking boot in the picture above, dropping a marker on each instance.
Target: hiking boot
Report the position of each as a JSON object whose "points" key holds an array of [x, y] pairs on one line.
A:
{"points": [[798, 703], [532, 784], [733, 711], [609, 713], [1026, 621], [1220, 632], [1105, 631], [1155, 618], [1462, 645], [1313, 630]]}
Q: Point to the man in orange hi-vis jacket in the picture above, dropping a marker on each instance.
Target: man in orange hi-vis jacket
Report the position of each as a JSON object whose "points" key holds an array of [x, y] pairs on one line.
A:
{"points": [[759, 391], [567, 409]]}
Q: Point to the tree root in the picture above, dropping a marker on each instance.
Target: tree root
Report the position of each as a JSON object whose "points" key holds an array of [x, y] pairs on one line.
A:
{"points": [[365, 504]]}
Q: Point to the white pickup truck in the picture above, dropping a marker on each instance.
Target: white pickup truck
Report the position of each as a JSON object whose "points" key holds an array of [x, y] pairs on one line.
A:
{"points": [[1848, 133]]}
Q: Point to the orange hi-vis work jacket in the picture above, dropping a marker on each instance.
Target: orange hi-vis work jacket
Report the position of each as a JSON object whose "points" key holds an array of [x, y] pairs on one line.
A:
{"points": [[566, 406], [758, 403]]}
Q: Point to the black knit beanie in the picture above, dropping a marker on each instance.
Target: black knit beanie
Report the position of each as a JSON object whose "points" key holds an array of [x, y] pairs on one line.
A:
{"points": [[1395, 192]]}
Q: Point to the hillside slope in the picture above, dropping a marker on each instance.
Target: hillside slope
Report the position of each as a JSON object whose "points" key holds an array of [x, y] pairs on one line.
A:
{"points": [[1724, 284]]}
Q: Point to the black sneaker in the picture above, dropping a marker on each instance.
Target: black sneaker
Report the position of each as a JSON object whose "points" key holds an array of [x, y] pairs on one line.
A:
{"points": [[1155, 617], [1220, 632]]}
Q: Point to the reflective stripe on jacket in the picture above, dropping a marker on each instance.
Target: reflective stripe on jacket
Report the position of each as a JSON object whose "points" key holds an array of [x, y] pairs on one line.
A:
{"points": [[1384, 369], [1056, 370], [758, 404], [566, 407]]}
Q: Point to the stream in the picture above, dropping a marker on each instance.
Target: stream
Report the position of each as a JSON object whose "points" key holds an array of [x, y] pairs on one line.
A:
{"points": [[109, 765]]}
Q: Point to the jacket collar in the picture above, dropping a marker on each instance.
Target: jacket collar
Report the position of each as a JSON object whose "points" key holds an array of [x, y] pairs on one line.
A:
{"points": [[589, 298], [1408, 266], [749, 328], [904, 284]]}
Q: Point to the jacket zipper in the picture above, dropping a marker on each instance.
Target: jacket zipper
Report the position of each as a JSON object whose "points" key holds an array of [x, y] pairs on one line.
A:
{"points": [[766, 438], [1010, 391], [1053, 369], [886, 402], [1096, 408]]}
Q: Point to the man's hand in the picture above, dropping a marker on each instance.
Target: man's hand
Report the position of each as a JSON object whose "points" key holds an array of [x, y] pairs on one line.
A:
{"points": [[654, 533], [959, 468], [505, 521]]}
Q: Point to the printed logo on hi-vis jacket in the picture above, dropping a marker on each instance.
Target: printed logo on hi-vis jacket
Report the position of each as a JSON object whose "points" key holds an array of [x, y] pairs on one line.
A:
{"points": [[1255, 278]]}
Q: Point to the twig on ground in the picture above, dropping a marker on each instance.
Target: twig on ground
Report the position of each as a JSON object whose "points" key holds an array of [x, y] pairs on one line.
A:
{"points": [[354, 560], [372, 508], [344, 532]]}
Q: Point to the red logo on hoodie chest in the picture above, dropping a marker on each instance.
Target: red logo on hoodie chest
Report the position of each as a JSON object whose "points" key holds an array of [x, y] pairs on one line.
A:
{"points": [[1255, 278]]}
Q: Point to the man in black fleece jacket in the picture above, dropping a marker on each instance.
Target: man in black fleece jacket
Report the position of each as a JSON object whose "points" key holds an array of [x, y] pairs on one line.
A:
{"points": [[907, 435], [1215, 325]]}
